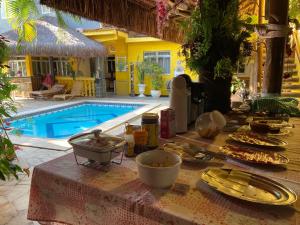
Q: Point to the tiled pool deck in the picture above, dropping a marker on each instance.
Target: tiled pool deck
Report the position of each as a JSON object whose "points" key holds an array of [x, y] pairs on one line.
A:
{"points": [[14, 194]]}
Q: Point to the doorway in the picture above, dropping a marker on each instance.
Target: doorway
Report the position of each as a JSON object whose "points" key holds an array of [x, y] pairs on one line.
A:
{"points": [[110, 74]]}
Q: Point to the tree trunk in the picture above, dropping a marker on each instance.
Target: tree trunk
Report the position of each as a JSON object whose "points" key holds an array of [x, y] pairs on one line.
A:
{"points": [[217, 93], [272, 80]]}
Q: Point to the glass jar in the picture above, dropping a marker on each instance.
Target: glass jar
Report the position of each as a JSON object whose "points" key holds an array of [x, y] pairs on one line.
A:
{"points": [[150, 124]]}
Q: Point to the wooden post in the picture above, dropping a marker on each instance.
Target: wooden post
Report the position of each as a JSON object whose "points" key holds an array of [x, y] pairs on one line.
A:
{"points": [[261, 7], [272, 81]]}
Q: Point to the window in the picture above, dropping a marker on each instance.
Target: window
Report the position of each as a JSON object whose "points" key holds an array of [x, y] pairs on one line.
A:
{"points": [[40, 65], [17, 67], [161, 58], [46, 10], [62, 67]]}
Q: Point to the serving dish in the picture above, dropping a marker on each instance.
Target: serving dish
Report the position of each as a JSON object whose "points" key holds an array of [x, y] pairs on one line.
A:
{"points": [[253, 156], [97, 147], [257, 139], [188, 152], [158, 168], [248, 186]]}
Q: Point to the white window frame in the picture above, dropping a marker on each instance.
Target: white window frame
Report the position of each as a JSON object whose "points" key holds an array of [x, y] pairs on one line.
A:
{"points": [[46, 10], [156, 53], [63, 70], [20, 63], [42, 61]]}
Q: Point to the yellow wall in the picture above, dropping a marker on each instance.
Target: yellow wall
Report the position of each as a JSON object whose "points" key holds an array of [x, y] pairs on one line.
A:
{"points": [[119, 44], [136, 52]]}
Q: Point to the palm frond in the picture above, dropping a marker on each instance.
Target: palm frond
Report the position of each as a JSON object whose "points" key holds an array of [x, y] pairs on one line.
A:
{"points": [[60, 19], [21, 15]]}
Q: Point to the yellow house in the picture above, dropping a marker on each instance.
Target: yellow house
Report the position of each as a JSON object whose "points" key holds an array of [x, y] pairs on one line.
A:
{"points": [[125, 49]]}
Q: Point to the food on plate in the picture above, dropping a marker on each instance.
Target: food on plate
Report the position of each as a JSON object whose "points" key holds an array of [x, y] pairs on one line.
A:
{"points": [[250, 155], [187, 152], [264, 126], [256, 139]]}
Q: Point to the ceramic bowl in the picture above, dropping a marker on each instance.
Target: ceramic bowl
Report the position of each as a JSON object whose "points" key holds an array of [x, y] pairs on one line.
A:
{"points": [[157, 168]]}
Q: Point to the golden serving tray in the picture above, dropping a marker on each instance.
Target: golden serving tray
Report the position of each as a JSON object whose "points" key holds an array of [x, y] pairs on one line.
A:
{"points": [[257, 139], [253, 156], [248, 186]]}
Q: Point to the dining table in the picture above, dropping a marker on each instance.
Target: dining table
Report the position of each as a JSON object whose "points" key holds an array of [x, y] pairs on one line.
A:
{"points": [[63, 192]]}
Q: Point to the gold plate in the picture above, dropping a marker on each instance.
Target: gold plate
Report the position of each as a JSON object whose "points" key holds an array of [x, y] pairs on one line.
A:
{"points": [[253, 156], [257, 139], [248, 186]]}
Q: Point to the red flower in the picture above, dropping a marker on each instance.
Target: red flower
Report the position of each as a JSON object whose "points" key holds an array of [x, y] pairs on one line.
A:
{"points": [[161, 15]]}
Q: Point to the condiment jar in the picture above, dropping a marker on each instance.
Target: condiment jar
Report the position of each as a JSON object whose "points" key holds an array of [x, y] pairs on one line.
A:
{"points": [[130, 140], [150, 124], [140, 140]]}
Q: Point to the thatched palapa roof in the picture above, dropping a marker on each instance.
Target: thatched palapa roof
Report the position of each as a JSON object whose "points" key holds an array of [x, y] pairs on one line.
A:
{"points": [[138, 15], [52, 40]]}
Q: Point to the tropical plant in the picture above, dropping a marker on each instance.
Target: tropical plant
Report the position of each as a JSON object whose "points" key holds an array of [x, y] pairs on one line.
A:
{"points": [[237, 84], [155, 71], [22, 15], [4, 51], [216, 39], [141, 71], [8, 166], [294, 9]]}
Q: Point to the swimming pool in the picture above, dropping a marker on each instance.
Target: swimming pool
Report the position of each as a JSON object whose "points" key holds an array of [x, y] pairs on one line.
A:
{"points": [[63, 122]]}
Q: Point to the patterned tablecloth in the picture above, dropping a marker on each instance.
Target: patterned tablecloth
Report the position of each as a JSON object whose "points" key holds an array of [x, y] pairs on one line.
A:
{"points": [[64, 193]]}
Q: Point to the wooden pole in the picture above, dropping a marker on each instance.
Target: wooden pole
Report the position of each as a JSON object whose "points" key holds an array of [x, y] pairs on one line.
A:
{"points": [[261, 7], [272, 81]]}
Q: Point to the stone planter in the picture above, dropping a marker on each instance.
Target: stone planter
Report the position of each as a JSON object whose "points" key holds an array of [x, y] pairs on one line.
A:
{"points": [[141, 90], [155, 93]]}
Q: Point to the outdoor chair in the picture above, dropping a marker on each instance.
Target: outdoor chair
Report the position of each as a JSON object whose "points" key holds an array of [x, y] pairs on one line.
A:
{"points": [[75, 92], [46, 94]]}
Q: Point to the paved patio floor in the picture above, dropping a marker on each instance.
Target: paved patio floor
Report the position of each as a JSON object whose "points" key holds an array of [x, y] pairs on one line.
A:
{"points": [[14, 194]]}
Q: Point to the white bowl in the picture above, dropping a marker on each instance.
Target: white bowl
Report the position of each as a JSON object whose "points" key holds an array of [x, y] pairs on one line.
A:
{"points": [[162, 176]]}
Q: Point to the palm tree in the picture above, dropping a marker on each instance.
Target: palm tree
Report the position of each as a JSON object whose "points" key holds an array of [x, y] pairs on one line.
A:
{"points": [[22, 16]]}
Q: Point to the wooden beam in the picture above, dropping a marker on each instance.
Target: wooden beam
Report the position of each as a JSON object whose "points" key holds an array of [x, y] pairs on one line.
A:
{"points": [[272, 81], [261, 4]]}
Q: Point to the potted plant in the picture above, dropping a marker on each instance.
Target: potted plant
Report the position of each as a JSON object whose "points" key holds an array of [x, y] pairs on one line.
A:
{"points": [[141, 71], [156, 71], [216, 38]]}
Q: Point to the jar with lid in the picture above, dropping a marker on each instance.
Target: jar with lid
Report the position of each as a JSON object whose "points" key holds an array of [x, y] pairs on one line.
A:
{"points": [[129, 138], [150, 124]]}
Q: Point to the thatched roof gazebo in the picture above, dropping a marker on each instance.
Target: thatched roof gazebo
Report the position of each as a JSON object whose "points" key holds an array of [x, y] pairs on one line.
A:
{"points": [[52, 40], [138, 15]]}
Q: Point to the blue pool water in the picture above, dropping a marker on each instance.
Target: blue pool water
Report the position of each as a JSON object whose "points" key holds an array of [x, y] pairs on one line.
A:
{"points": [[65, 122]]}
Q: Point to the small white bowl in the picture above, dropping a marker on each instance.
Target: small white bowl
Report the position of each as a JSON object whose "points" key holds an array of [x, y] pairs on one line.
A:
{"points": [[162, 176]]}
